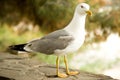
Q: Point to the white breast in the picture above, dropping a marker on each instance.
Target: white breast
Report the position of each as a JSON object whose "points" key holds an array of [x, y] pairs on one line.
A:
{"points": [[74, 45]]}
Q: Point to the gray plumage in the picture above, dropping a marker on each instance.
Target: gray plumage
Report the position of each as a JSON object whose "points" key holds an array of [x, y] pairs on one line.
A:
{"points": [[59, 39]]}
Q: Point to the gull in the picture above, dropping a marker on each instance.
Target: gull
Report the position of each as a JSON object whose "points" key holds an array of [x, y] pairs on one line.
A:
{"points": [[62, 41]]}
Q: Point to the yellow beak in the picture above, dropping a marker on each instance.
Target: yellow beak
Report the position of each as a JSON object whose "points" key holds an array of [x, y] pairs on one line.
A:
{"points": [[89, 12]]}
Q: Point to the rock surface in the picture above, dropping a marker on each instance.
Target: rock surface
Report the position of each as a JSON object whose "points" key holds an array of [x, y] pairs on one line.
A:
{"points": [[13, 67]]}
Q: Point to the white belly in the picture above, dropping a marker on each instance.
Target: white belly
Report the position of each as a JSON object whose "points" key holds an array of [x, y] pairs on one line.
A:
{"points": [[72, 47]]}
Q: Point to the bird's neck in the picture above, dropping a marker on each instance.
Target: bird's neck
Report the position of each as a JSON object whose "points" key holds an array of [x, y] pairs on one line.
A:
{"points": [[77, 23]]}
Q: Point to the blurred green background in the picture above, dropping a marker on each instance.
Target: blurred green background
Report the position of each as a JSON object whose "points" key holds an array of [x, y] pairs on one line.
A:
{"points": [[23, 20]]}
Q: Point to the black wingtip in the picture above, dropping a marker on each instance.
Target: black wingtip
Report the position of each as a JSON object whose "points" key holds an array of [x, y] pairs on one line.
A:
{"points": [[19, 47]]}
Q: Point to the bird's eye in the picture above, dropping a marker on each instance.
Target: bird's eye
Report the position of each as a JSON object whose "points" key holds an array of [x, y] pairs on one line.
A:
{"points": [[82, 6]]}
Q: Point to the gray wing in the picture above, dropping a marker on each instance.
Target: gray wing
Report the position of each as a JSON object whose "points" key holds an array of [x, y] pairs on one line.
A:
{"points": [[56, 34], [56, 40]]}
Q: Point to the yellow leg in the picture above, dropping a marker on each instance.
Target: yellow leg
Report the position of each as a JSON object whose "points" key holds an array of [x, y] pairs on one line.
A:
{"points": [[67, 70], [61, 75]]}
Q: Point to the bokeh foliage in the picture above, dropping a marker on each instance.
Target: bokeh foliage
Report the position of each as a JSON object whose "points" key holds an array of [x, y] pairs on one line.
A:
{"points": [[48, 14]]}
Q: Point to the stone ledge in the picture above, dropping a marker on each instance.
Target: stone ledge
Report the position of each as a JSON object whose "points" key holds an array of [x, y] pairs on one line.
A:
{"points": [[13, 67]]}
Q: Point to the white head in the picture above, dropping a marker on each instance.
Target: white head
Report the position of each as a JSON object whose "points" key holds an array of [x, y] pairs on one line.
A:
{"points": [[83, 9]]}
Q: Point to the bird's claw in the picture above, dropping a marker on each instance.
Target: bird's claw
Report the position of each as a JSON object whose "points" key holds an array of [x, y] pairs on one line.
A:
{"points": [[61, 75], [73, 73]]}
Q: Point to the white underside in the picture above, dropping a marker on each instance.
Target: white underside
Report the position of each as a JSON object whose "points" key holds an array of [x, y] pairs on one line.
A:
{"points": [[73, 46]]}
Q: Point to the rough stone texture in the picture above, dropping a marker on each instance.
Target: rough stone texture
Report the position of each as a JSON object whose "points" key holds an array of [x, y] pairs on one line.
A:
{"points": [[13, 67]]}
